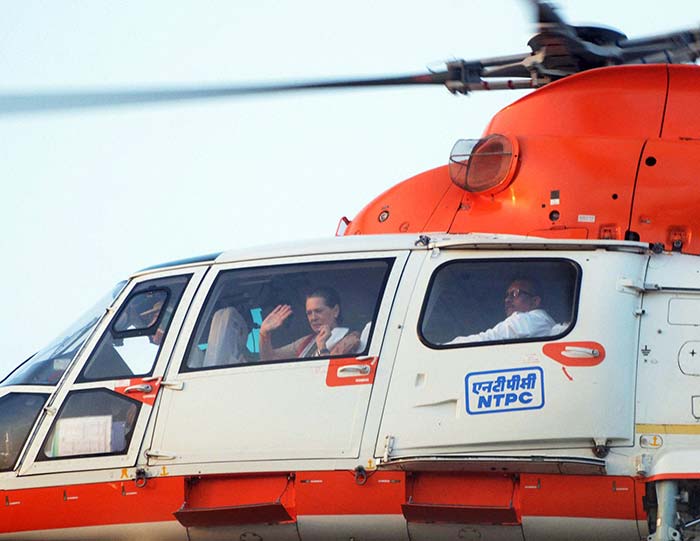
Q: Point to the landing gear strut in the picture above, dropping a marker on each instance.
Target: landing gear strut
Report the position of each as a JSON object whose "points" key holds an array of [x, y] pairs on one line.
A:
{"points": [[667, 512]]}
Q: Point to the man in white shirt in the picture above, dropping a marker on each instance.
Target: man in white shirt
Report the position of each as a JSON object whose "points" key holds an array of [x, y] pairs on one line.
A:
{"points": [[524, 317]]}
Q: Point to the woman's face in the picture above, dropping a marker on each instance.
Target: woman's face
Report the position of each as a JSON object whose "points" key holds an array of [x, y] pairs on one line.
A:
{"points": [[320, 314]]}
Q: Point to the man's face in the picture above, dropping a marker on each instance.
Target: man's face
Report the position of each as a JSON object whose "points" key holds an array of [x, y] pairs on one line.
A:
{"points": [[520, 298]]}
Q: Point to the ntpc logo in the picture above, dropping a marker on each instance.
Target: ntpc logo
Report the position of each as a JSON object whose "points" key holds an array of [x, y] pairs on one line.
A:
{"points": [[504, 390]]}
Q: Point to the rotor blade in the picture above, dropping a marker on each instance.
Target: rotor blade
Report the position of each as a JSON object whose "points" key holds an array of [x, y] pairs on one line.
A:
{"points": [[674, 47], [547, 13], [52, 101]]}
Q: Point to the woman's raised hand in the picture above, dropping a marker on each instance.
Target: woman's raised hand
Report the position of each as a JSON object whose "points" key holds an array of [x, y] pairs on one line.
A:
{"points": [[276, 318]]}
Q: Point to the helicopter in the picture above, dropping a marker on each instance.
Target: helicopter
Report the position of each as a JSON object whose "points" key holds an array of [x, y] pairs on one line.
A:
{"points": [[163, 413]]}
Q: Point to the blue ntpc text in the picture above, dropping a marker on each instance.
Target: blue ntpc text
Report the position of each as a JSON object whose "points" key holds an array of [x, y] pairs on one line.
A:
{"points": [[498, 391]]}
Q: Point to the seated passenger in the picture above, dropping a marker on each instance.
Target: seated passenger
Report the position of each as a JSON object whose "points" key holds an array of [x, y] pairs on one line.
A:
{"points": [[228, 334], [524, 317], [328, 338]]}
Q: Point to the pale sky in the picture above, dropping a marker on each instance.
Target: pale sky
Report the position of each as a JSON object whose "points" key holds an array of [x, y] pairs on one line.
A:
{"points": [[89, 197]]}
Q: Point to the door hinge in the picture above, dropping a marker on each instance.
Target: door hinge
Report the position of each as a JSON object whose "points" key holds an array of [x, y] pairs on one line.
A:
{"points": [[388, 448]]}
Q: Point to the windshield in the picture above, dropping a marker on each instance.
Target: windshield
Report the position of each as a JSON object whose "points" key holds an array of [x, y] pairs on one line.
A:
{"points": [[48, 365]]}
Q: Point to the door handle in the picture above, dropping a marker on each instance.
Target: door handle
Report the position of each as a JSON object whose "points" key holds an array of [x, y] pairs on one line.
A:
{"points": [[353, 370], [141, 388], [576, 352], [158, 455]]}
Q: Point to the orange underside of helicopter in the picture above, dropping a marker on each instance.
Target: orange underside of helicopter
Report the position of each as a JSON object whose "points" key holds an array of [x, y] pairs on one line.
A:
{"points": [[281, 498], [611, 153]]}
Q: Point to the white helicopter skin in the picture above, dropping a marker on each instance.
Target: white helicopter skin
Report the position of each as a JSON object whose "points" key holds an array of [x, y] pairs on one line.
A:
{"points": [[164, 420]]}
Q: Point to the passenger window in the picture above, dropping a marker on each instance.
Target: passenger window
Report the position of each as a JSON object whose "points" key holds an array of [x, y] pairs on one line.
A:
{"points": [[18, 412], [287, 313], [471, 302], [92, 422], [130, 346]]}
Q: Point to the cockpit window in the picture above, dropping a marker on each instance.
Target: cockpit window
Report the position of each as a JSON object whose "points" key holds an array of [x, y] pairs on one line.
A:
{"points": [[287, 313], [130, 346], [18, 413], [92, 422], [48, 365], [472, 302]]}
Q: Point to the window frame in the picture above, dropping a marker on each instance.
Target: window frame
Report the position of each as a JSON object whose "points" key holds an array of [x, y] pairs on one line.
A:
{"points": [[574, 315], [389, 260], [42, 457], [82, 378], [142, 331]]}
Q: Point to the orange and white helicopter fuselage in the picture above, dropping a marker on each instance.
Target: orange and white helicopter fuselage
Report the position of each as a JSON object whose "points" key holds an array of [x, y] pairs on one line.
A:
{"points": [[411, 436]]}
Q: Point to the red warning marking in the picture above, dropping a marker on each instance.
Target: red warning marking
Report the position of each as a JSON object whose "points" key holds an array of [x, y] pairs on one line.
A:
{"points": [[145, 394], [575, 353], [350, 371]]}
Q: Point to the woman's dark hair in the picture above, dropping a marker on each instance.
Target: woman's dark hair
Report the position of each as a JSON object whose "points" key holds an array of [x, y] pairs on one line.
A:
{"points": [[330, 297]]}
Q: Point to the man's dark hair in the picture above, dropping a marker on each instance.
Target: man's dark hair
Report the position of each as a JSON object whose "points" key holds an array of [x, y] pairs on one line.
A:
{"points": [[533, 285]]}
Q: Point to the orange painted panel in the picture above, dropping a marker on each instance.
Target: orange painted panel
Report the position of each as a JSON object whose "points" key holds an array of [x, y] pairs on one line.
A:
{"points": [[91, 505], [625, 101], [426, 199], [667, 195], [258, 513], [239, 490], [326, 493], [474, 489], [335, 379], [464, 514], [337, 493], [640, 486], [577, 183], [682, 112], [565, 187], [578, 496], [581, 141], [145, 397], [666, 476], [560, 233], [555, 350]]}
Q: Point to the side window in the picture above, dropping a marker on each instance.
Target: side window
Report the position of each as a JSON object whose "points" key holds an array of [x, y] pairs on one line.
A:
{"points": [[471, 302], [131, 344], [287, 313], [91, 422], [18, 412]]}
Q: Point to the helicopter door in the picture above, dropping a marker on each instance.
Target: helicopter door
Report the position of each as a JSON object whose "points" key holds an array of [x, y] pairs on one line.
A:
{"points": [[514, 352], [669, 350], [256, 384], [98, 418]]}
